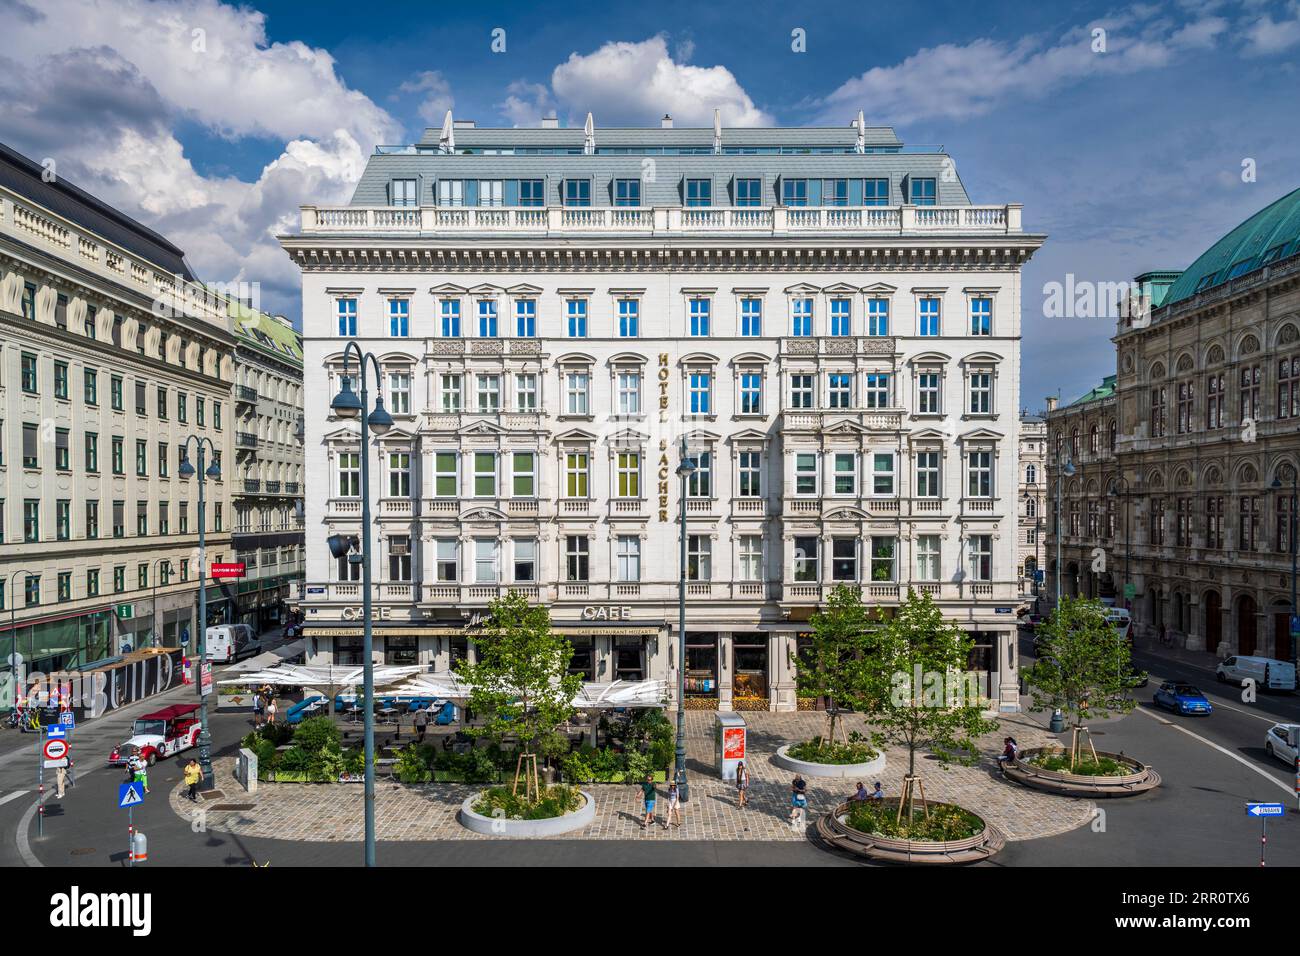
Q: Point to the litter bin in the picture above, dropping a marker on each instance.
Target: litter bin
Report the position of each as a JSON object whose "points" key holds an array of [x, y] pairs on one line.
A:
{"points": [[728, 743]]}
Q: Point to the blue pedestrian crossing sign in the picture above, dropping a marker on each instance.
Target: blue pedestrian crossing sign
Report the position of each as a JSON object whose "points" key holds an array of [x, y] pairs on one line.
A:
{"points": [[1266, 809], [129, 795]]}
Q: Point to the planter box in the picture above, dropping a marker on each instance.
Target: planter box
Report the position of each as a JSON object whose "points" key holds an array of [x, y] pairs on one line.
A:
{"points": [[1140, 779], [526, 829], [835, 831], [808, 769]]}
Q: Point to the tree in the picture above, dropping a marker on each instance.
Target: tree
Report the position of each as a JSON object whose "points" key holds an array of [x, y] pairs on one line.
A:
{"points": [[520, 684], [1083, 667], [831, 665], [916, 693]]}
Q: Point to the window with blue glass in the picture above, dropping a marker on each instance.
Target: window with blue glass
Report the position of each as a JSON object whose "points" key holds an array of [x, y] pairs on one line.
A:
{"points": [[399, 317], [627, 192], [751, 317], [877, 392], [403, 192], [449, 314], [794, 192], [487, 318], [576, 312], [924, 192], [701, 393], [699, 192], [877, 316], [841, 316], [751, 393], [699, 309], [347, 312], [929, 317], [526, 318], [577, 192], [629, 318], [875, 192], [802, 320], [531, 192], [749, 192], [835, 192], [981, 316]]}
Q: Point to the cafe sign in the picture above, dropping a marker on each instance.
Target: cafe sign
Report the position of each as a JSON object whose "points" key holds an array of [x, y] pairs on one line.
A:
{"points": [[606, 612]]}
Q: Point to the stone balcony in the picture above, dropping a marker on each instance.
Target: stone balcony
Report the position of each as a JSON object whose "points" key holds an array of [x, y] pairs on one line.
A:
{"points": [[817, 419], [832, 345], [442, 221]]}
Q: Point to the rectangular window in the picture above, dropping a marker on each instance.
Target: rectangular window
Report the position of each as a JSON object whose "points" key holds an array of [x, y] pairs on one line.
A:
{"points": [[699, 557], [90, 388], [62, 456], [346, 311], [142, 518], [119, 578], [31, 446], [181, 411], [164, 459], [485, 560], [927, 475], [92, 519], [839, 390], [92, 583], [751, 557], [119, 465], [835, 192], [488, 391], [451, 192], [216, 419], [445, 484], [929, 316], [805, 473], [485, 474], [699, 316], [1184, 400], [749, 192], [141, 458], [523, 474], [575, 474], [399, 393], [628, 385], [199, 408], [402, 192], [1249, 524], [162, 403], [183, 521], [924, 191], [928, 394], [575, 311], [629, 318], [981, 316], [751, 317], [1158, 417], [751, 474], [627, 192], [525, 318], [141, 402], [62, 519], [875, 192], [487, 318], [841, 317], [751, 393], [877, 390], [115, 392], [399, 318], [927, 557], [65, 585], [801, 322], [532, 192], [577, 192], [526, 392], [794, 192], [628, 475], [882, 473], [877, 317], [577, 388], [525, 560], [449, 318], [29, 381], [801, 391], [699, 192], [32, 519], [349, 474], [490, 192], [629, 557], [845, 476], [449, 392], [399, 474], [448, 566], [699, 484], [60, 379], [980, 475], [576, 558], [979, 557], [805, 558], [981, 393], [884, 557], [700, 390]]}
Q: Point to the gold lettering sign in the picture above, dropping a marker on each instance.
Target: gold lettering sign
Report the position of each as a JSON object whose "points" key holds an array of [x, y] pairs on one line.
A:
{"points": [[664, 470]]}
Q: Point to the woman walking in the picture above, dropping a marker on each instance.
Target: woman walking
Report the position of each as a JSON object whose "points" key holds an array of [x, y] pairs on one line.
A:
{"points": [[742, 785], [674, 807], [798, 801]]}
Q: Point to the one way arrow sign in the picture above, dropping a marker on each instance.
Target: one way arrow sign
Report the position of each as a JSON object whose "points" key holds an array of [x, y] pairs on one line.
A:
{"points": [[1266, 809]]}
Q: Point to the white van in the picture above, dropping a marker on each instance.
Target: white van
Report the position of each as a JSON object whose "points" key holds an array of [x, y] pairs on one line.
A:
{"points": [[1264, 671], [1121, 620], [230, 642]]}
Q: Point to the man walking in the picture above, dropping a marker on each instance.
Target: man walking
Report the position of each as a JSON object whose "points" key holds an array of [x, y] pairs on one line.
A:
{"points": [[193, 774], [648, 793], [421, 724]]}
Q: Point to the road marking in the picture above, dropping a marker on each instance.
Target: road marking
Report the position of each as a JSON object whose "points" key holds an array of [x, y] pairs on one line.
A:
{"points": [[1223, 750], [13, 796]]}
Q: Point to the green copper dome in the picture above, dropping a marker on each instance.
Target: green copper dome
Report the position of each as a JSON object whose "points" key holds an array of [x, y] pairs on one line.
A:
{"points": [[1271, 234]]}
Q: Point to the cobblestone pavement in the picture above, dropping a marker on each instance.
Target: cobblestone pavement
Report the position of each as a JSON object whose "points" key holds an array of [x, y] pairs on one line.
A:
{"points": [[333, 812]]}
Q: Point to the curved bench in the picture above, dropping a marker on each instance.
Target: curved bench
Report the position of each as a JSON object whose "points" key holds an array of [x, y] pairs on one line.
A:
{"points": [[832, 828], [1142, 779]]}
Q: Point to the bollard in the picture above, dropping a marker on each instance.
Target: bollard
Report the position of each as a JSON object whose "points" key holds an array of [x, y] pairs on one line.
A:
{"points": [[139, 847]]}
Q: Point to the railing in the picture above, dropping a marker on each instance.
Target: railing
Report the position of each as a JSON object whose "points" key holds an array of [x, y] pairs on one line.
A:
{"points": [[252, 485], [399, 507], [245, 393], [273, 487], [748, 506], [245, 440], [292, 487], [664, 220], [874, 419]]}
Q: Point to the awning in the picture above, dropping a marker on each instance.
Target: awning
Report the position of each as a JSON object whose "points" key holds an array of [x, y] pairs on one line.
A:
{"points": [[299, 675]]}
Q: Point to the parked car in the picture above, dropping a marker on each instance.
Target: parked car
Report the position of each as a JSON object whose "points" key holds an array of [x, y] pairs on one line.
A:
{"points": [[160, 734], [232, 642], [1264, 671], [1182, 698], [1283, 742]]}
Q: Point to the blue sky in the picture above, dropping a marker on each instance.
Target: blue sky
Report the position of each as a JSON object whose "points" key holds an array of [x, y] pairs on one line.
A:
{"points": [[212, 122]]}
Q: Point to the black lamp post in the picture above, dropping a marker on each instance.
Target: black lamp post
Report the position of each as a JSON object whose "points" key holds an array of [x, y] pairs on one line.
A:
{"points": [[187, 471], [347, 405], [685, 469], [1114, 492], [1290, 536]]}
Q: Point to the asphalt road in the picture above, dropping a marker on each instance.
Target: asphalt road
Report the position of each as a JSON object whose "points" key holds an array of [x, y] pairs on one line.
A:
{"points": [[1210, 768]]}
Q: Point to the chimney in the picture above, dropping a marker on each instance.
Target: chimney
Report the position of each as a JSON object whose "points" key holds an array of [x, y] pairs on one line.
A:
{"points": [[464, 124], [550, 122], [666, 122], [1051, 403]]}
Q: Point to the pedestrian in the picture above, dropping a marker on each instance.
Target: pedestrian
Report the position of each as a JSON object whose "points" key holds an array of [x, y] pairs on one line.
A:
{"points": [[421, 724], [270, 711], [60, 781], [257, 709], [193, 774], [1010, 750], [649, 794], [674, 806], [878, 794], [742, 784], [140, 770], [861, 793], [798, 801]]}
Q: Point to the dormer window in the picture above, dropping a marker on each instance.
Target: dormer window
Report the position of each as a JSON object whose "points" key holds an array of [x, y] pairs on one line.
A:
{"points": [[924, 191], [402, 192], [875, 192], [627, 192], [699, 192], [749, 192], [577, 192]]}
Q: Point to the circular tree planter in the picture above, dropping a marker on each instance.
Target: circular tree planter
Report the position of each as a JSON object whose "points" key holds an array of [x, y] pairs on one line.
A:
{"points": [[835, 831], [527, 829], [809, 769], [1139, 779]]}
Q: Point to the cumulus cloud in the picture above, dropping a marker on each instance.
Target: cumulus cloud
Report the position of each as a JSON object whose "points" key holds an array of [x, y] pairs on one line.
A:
{"points": [[1264, 36], [436, 96], [526, 103], [636, 83], [102, 93]]}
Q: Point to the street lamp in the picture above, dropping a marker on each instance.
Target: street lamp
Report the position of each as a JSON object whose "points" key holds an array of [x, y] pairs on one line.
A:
{"points": [[685, 469], [187, 471], [1114, 492], [1068, 472], [348, 405], [1291, 531]]}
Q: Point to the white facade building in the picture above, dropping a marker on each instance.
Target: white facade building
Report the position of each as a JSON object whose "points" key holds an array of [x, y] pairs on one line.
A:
{"points": [[825, 319]]}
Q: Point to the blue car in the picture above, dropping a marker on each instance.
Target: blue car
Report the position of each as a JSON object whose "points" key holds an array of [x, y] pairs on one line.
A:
{"points": [[1183, 698]]}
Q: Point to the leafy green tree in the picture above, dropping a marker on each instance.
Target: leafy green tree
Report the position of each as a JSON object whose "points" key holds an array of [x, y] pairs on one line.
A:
{"points": [[1083, 667], [915, 692], [520, 684], [831, 665]]}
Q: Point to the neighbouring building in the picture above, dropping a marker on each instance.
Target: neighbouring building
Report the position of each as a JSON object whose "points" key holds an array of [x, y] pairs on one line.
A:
{"points": [[825, 318], [1207, 400], [267, 489], [111, 355], [1033, 498]]}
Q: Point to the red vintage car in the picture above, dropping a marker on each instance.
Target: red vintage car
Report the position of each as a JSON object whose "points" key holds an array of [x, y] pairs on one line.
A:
{"points": [[160, 734]]}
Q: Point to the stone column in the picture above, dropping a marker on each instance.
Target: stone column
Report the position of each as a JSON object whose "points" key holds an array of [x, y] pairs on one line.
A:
{"points": [[1008, 690], [1228, 645], [781, 690], [726, 670], [1195, 638]]}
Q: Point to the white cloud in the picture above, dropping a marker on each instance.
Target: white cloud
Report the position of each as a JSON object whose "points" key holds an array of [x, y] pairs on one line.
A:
{"points": [[437, 95], [1266, 36], [526, 103], [636, 83]]}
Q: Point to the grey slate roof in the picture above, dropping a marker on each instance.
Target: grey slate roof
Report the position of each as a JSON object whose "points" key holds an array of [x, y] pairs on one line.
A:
{"points": [[23, 176]]}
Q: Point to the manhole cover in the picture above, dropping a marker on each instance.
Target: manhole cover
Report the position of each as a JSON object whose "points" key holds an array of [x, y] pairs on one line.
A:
{"points": [[212, 795], [82, 851], [234, 806]]}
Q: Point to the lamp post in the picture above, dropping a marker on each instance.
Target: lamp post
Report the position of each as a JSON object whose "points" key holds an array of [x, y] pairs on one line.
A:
{"points": [[1291, 532], [1067, 471], [13, 634], [684, 471], [202, 445], [347, 405], [1114, 492]]}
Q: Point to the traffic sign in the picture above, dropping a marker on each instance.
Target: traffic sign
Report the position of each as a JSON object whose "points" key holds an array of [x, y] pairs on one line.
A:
{"points": [[55, 732], [1266, 809], [56, 749], [1130, 591], [129, 795], [67, 719]]}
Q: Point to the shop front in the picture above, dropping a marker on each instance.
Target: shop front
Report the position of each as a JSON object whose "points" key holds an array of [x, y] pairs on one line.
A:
{"points": [[750, 684]]}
